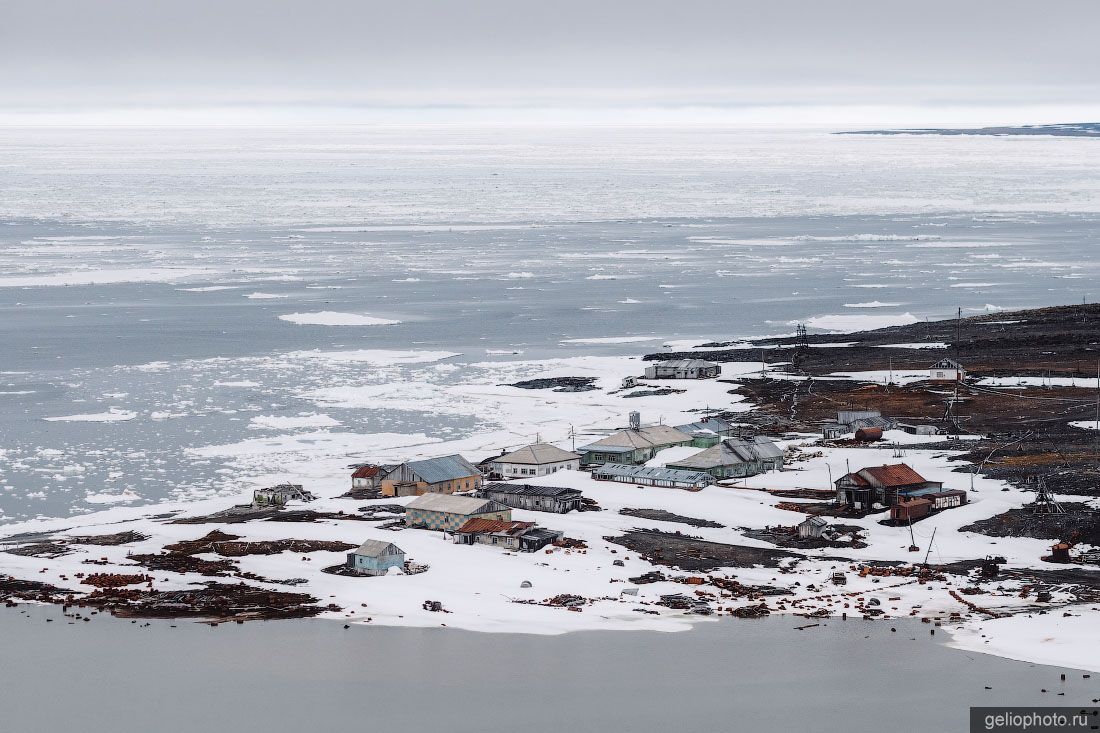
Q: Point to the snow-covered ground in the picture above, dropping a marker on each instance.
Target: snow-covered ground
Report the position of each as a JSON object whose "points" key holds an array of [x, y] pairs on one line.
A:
{"points": [[478, 584]]}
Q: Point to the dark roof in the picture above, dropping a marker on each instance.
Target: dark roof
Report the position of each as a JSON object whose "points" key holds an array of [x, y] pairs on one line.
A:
{"points": [[528, 490], [291, 490], [542, 533]]}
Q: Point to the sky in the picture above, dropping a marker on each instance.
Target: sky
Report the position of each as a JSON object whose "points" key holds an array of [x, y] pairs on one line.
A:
{"points": [[797, 61]]}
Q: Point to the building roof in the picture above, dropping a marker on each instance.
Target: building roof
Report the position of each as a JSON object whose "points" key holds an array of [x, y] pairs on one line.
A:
{"points": [[537, 454], [446, 468], [897, 474], [367, 471], [648, 437], [493, 526], [731, 451], [653, 473], [884, 423], [455, 504], [815, 522], [378, 548], [844, 417], [946, 363], [914, 502], [715, 425], [687, 364], [933, 492], [888, 476], [285, 489], [542, 533], [528, 490]]}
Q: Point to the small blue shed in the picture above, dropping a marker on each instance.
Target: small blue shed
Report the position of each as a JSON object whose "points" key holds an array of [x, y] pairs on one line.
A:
{"points": [[376, 557]]}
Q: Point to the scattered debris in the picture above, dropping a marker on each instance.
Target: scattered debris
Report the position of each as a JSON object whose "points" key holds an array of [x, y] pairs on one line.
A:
{"points": [[214, 601], [115, 580], [751, 611], [110, 540], [559, 384], [660, 515], [694, 554], [50, 549]]}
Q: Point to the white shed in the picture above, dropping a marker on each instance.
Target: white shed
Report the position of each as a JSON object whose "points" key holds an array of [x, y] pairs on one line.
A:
{"points": [[946, 370]]}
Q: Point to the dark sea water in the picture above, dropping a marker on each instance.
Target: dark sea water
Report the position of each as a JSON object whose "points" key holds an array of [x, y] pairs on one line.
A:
{"points": [[110, 675]]}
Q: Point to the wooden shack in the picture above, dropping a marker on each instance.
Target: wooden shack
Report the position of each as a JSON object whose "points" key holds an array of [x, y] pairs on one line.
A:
{"points": [[558, 499], [910, 510], [812, 528]]}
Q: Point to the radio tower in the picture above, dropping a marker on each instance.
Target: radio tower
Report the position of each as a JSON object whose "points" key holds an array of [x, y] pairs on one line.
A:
{"points": [[1044, 501], [800, 334]]}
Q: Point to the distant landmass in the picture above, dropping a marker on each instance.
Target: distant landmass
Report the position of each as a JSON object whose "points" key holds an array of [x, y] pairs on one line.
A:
{"points": [[1070, 129]]}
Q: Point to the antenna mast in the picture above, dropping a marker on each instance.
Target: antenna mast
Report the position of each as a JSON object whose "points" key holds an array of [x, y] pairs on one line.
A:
{"points": [[1044, 501]]}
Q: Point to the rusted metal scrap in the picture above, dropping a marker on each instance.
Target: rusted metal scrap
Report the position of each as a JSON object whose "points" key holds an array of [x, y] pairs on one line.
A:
{"points": [[115, 580]]}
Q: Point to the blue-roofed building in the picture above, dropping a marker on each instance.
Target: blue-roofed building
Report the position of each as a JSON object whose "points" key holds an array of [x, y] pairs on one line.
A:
{"points": [[446, 475]]}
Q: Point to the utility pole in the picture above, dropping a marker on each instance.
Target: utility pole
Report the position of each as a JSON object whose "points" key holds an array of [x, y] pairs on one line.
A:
{"points": [[958, 334], [930, 546]]}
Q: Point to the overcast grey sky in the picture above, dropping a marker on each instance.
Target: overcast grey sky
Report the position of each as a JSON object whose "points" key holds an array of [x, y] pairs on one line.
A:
{"points": [[601, 56]]}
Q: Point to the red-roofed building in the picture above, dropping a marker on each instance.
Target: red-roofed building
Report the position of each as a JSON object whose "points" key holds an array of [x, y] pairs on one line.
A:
{"points": [[525, 536], [880, 485], [367, 476]]}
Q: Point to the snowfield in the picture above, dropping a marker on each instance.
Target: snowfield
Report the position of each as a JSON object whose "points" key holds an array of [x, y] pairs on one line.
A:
{"points": [[479, 585]]}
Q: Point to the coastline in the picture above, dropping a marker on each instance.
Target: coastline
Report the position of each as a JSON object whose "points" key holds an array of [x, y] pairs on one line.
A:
{"points": [[472, 581]]}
